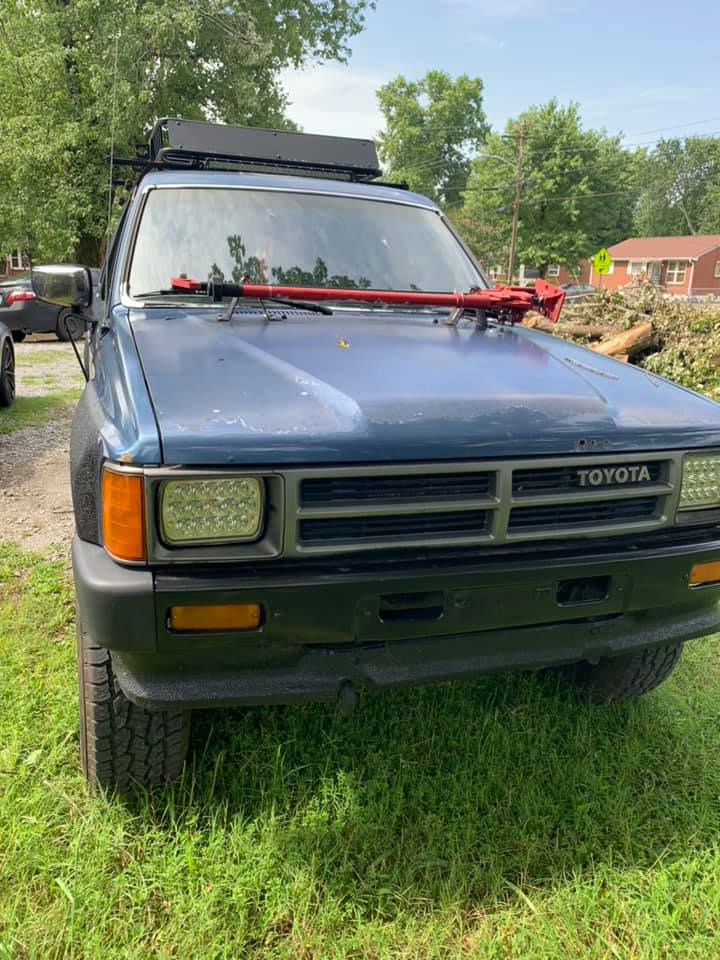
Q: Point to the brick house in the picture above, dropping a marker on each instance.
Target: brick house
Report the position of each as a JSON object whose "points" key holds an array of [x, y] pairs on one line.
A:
{"points": [[682, 266], [12, 265], [556, 273]]}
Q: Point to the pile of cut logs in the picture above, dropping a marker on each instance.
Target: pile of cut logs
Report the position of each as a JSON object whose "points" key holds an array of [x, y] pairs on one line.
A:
{"points": [[627, 324], [600, 337]]}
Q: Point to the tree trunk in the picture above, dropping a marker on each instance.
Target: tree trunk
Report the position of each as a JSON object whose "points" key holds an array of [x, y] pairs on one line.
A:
{"points": [[589, 331], [629, 342], [87, 251]]}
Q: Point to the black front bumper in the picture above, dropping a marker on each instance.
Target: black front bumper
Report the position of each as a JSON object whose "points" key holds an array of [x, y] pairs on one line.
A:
{"points": [[389, 628]]}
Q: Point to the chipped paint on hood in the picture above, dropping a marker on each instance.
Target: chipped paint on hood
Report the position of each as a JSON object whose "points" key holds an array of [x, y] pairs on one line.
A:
{"points": [[252, 391]]}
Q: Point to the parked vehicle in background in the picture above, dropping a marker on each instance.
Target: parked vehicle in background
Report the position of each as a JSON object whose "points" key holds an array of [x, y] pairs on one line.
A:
{"points": [[7, 367], [321, 474], [23, 313], [576, 291]]}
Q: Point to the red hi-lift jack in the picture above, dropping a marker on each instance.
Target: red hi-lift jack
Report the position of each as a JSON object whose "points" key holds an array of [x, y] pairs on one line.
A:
{"points": [[502, 302]]}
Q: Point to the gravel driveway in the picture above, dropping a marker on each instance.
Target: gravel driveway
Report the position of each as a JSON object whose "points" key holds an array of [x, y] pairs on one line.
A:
{"points": [[35, 503]]}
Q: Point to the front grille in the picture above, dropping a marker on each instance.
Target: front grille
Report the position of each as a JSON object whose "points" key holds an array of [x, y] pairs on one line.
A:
{"points": [[387, 489], [390, 508], [422, 525], [291, 571], [598, 513]]}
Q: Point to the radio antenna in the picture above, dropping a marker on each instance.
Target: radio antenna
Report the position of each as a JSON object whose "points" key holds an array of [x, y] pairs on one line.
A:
{"points": [[112, 134]]}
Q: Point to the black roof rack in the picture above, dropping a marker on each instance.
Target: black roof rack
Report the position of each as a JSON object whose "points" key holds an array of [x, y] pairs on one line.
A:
{"points": [[175, 142]]}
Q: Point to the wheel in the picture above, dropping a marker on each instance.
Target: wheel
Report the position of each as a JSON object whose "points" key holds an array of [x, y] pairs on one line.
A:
{"points": [[69, 326], [7, 374], [625, 677], [121, 744], [18, 336]]}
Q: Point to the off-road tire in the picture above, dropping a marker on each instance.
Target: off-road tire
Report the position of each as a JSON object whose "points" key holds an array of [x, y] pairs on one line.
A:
{"points": [[76, 326], [18, 336], [7, 373], [617, 679], [121, 744]]}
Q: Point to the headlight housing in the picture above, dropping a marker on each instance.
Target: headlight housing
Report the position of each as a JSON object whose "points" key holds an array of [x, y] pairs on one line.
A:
{"points": [[700, 481], [212, 510]]}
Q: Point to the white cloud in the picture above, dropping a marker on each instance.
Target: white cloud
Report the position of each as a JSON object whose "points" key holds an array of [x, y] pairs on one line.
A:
{"points": [[336, 99]]}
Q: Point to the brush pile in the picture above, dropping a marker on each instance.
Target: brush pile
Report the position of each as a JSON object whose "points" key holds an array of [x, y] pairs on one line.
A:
{"points": [[639, 325]]}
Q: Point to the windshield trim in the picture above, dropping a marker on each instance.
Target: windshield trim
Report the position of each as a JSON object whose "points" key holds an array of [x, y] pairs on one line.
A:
{"points": [[299, 189], [128, 300]]}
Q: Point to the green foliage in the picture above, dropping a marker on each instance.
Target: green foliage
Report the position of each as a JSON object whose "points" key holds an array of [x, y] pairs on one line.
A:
{"points": [[577, 190], [32, 411], [318, 277], [431, 126], [247, 269], [680, 188], [686, 347], [255, 270], [218, 59]]}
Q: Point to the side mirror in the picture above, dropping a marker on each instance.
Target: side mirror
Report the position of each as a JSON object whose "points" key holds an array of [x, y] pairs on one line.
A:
{"points": [[63, 284]]}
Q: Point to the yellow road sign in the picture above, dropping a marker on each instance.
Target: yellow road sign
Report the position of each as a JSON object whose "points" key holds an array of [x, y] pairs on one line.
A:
{"points": [[601, 262]]}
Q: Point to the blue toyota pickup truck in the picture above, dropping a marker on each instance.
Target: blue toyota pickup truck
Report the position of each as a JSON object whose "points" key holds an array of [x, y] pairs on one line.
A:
{"points": [[316, 453]]}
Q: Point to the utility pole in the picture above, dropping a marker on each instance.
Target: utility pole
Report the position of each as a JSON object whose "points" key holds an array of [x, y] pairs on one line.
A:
{"points": [[516, 201]]}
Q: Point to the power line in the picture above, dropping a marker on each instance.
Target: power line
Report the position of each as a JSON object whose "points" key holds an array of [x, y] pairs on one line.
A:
{"points": [[646, 143], [445, 128], [535, 201], [584, 196], [678, 126], [428, 165]]}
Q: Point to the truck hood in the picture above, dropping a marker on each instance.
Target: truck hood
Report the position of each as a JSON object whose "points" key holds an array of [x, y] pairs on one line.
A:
{"points": [[379, 386]]}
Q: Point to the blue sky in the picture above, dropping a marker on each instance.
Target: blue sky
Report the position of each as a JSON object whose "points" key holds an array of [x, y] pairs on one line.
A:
{"points": [[633, 67]]}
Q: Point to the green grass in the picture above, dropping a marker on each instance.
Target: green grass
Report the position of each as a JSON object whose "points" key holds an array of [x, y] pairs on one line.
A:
{"points": [[32, 411], [41, 380], [27, 356], [493, 819]]}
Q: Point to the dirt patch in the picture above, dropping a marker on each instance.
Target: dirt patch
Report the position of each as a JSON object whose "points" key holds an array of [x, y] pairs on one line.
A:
{"points": [[35, 502], [46, 367]]}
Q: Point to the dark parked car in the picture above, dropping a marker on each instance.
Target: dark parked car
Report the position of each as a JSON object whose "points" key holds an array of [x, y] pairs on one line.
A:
{"points": [[22, 312], [577, 291], [299, 470], [7, 368]]}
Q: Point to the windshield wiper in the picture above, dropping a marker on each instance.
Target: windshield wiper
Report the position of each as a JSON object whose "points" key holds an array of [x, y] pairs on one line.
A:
{"points": [[169, 293], [295, 304], [192, 294]]}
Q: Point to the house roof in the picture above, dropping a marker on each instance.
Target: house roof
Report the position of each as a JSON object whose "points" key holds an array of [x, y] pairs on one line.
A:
{"points": [[664, 248]]}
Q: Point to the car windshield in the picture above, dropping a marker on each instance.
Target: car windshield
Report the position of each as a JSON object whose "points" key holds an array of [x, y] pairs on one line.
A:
{"points": [[295, 238]]}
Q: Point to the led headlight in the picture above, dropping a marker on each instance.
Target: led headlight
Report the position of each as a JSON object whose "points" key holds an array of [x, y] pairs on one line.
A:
{"points": [[212, 510], [700, 481]]}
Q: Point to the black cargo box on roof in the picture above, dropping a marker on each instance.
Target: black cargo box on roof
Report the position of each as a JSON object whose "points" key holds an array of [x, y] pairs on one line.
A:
{"points": [[193, 143]]}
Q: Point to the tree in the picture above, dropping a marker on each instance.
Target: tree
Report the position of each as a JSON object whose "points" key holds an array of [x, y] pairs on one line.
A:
{"points": [[680, 188], [78, 75], [431, 126], [577, 190]]}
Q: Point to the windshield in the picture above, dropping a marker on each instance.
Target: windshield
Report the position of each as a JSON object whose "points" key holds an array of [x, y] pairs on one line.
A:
{"points": [[267, 236]]}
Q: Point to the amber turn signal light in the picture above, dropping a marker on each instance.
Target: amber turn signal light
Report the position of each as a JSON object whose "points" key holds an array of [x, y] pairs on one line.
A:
{"points": [[123, 515], [197, 618], [703, 573]]}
